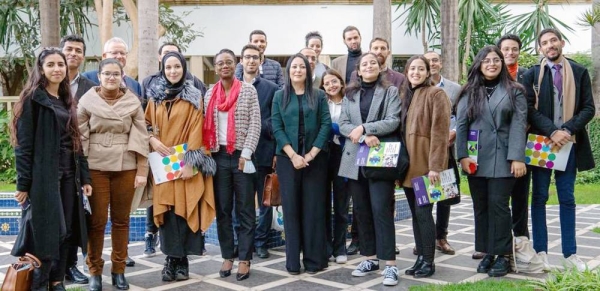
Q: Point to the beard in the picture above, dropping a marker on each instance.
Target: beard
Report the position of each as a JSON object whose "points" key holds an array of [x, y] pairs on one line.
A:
{"points": [[558, 55]]}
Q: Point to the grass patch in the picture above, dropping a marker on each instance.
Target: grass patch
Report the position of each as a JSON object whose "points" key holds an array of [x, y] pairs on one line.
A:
{"points": [[570, 279], [584, 193], [7, 187], [488, 284]]}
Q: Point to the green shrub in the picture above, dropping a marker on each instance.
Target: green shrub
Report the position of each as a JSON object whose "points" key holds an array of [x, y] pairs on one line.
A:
{"points": [[584, 59], [592, 176], [569, 279], [528, 60], [8, 172]]}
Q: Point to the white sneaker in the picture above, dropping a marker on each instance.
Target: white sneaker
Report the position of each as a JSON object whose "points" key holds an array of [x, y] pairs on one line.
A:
{"points": [[544, 257], [341, 259], [390, 276], [576, 262]]}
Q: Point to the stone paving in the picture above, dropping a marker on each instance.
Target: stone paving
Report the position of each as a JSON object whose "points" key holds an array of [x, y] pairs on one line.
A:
{"points": [[270, 274]]}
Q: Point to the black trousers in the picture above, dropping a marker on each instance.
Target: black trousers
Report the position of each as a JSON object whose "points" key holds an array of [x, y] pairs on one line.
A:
{"points": [[519, 202], [232, 184], [423, 226], [303, 199], [375, 216], [492, 214], [54, 270], [339, 201]]}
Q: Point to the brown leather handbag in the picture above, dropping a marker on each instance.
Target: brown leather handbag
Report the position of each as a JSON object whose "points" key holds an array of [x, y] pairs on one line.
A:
{"points": [[271, 194], [19, 275]]}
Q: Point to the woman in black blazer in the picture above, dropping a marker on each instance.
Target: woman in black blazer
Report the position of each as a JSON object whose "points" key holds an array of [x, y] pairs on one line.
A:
{"points": [[301, 126], [492, 105], [50, 170]]}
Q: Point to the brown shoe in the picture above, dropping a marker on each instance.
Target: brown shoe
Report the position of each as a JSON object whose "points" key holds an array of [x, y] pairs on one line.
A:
{"points": [[415, 251], [444, 246], [478, 255]]}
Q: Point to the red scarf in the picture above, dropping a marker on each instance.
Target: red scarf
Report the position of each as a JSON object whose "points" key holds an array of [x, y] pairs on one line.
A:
{"points": [[513, 69], [222, 103]]}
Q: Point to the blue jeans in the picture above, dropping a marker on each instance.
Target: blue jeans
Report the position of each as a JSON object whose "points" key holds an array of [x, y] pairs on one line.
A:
{"points": [[565, 184]]}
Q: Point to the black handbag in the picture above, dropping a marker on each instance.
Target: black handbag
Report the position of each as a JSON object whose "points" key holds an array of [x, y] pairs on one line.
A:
{"points": [[391, 174]]}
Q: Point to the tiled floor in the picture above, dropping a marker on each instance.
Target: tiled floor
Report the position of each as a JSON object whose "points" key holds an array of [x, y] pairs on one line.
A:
{"points": [[270, 274]]}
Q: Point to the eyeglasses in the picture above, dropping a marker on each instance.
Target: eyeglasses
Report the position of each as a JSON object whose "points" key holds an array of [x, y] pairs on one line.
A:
{"points": [[249, 57], [434, 60], [489, 61], [507, 49], [222, 64], [108, 75], [117, 53]]}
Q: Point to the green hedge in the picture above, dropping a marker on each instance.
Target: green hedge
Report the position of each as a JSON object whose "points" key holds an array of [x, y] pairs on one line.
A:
{"points": [[592, 176], [8, 172]]}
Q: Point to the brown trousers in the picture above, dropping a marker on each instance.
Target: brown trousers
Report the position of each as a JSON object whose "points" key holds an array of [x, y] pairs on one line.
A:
{"points": [[114, 189]]}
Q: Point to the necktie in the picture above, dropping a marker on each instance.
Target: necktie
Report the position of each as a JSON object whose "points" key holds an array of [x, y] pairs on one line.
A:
{"points": [[558, 81]]}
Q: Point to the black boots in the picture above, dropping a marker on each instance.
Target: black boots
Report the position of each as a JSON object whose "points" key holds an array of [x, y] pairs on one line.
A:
{"points": [[182, 269], [500, 267], [168, 272], [426, 269], [119, 281], [95, 283], [411, 271], [486, 264]]}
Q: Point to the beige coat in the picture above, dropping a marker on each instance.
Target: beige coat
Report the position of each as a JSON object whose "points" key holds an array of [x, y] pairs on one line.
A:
{"points": [[426, 132], [113, 137]]}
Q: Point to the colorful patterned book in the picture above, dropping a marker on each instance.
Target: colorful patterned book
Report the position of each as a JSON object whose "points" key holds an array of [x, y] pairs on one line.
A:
{"points": [[473, 144], [427, 193], [540, 152], [384, 155], [168, 168]]}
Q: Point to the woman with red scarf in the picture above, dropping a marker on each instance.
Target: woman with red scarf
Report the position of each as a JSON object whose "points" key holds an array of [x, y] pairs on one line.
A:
{"points": [[231, 131]]}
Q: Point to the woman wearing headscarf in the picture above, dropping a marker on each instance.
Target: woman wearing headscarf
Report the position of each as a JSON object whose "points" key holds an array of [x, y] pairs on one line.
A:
{"points": [[184, 207]]}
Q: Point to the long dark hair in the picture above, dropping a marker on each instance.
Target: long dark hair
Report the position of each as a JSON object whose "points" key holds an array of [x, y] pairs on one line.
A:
{"points": [[37, 80], [309, 92], [475, 87], [406, 94], [356, 85]]}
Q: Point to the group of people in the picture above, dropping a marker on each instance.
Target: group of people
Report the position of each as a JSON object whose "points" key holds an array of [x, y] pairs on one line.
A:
{"points": [[307, 124]]}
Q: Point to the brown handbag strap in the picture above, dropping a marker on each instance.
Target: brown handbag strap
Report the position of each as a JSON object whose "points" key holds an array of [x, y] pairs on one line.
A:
{"points": [[35, 262]]}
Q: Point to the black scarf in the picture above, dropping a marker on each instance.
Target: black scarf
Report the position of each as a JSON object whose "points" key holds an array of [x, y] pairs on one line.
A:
{"points": [[172, 90]]}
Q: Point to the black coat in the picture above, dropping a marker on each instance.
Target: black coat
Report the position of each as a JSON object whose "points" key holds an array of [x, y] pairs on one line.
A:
{"points": [[37, 162], [85, 85], [541, 119]]}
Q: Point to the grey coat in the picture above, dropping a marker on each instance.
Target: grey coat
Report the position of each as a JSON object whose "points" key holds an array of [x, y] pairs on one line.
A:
{"points": [[452, 90], [350, 118], [501, 133]]}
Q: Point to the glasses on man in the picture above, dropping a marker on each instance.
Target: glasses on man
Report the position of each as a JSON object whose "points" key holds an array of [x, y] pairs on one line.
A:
{"points": [[250, 57], [507, 50], [490, 61], [117, 53], [434, 60], [108, 75], [222, 64]]}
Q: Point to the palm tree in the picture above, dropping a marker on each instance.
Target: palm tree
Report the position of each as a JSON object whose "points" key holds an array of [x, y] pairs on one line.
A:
{"points": [[472, 12], [49, 19], [421, 17], [591, 18], [449, 37]]}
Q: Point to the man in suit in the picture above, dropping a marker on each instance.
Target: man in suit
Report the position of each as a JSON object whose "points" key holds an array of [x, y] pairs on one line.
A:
{"points": [[73, 46], [345, 65], [269, 69], [381, 48], [265, 150], [311, 55], [560, 105], [443, 208], [116, 48]]}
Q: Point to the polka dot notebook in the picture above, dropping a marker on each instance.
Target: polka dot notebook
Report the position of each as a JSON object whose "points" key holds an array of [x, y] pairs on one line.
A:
{"points": [[540, 152], [168, 168]]}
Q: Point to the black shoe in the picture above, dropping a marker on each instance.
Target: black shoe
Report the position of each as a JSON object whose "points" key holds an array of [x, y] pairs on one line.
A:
{"points": [[500, 267], [74, 275], [168, 271], [119, 281], [293, 272], [411, 271], [182, 270], [262, 252], [485, 264], [129, 262], [95, 283], [226, 273], [425, 270], [58, 287], [352, 248], [243, 276], [397, 251]]}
